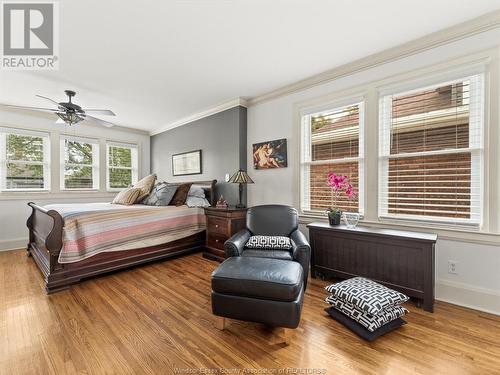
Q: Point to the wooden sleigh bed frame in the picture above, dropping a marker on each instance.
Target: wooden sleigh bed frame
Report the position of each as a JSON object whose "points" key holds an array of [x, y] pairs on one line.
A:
{"points": [[46, 241]]}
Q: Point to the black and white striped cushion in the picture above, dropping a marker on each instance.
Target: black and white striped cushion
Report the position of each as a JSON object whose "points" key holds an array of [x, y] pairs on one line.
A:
{"points": [[366, 295], [370, 322], [269, 242]]}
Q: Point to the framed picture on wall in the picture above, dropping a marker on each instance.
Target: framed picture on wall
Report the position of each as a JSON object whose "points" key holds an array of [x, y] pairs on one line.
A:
{"points": [[186, 163], [270, 154]]}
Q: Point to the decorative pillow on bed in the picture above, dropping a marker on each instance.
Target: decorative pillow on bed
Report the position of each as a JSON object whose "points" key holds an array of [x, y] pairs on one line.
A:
{"points": [[196, 191], [366, 295], [370, 322], [146, 184], [161, 195], [180, 194], [193, 201], [269, 242], [127, 197]]}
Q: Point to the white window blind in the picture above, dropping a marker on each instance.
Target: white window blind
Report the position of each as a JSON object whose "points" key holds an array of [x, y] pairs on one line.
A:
{"points": [[122, 165], [431, 152], [79, 163], [24, 160], [332, 141]]}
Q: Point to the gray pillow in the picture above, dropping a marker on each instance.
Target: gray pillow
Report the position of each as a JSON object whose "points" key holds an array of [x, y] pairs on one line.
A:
{"points": [[161, 195], [193, 201], [196, 191]]}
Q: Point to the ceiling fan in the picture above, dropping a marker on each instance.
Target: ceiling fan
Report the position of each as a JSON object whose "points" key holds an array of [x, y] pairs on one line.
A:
{"points": [[71, 113]]}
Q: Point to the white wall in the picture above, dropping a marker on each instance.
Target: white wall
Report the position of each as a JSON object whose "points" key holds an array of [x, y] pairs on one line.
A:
{"points": [[478, 281], [13, 206]]}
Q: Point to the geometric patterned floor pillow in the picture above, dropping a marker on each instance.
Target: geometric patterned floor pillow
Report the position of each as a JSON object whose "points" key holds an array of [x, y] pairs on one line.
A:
{"points": [[366, 295], [370, 322], [359, 329], [269, 242]]}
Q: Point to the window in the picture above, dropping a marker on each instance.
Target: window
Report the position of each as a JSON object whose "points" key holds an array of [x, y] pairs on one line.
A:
{"points": [[122, 163], [431, 152], [25, 160], [332, 141], [79, 163]]}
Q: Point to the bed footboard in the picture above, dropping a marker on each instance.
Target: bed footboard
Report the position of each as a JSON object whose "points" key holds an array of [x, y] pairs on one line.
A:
{"points": [[45, 241]]}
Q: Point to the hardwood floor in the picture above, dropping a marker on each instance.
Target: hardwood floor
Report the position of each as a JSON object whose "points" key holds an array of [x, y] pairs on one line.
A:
{"points": [[155, 318]]}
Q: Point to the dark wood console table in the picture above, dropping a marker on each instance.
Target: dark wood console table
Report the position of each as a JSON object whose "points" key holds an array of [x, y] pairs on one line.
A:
{"points": [[400, 260]]}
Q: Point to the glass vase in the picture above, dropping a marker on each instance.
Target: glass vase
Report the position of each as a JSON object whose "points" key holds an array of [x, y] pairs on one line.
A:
{"points": [[350, 219]]}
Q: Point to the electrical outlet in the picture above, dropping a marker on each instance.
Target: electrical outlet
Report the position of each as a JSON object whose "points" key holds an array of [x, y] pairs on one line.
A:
{"points": [[453, 267]]}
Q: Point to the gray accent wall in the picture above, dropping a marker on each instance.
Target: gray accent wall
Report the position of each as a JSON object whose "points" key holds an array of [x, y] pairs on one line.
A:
{"points": [[222, 138]]}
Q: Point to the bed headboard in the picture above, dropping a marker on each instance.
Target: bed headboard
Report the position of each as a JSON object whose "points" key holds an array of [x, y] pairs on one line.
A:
{"points": [[209, 189]]}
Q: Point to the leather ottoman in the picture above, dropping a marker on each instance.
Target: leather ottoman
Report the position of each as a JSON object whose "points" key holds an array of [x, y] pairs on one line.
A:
{"points": [[262, 290]]}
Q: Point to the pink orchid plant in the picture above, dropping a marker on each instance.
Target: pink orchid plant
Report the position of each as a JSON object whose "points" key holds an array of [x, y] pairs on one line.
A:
{"points": [[339, 184]]}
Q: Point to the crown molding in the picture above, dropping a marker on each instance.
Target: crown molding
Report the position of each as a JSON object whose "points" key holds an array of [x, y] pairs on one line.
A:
{"points": [[454, 33], [199, 115]]}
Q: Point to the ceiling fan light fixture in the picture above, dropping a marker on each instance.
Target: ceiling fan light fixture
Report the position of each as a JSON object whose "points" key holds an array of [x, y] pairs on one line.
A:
{"points": [[69, 118]]}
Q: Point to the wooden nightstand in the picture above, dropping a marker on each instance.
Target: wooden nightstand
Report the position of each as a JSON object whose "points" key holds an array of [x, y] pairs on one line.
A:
{"points": [[222, 223]]}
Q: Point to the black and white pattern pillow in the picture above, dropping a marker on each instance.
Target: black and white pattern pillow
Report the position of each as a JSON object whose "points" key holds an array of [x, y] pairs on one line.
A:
{"points": [[366, 295], [359, 329], [269, 242], [371, 322]]}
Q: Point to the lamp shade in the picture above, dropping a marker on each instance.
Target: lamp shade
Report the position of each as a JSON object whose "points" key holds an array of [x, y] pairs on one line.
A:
{"points": [[241, 177]]}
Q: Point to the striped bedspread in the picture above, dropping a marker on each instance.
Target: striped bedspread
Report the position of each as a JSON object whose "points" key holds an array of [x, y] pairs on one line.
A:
{"points": [[93, 228]]}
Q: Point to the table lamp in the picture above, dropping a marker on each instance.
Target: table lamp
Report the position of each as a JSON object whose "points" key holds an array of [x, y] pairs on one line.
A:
{"points": [[241, 177]]}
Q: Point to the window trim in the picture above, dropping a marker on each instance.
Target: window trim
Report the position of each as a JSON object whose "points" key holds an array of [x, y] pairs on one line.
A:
{"points": [[348, 100], [46, 163], [489, 61], [477, 153], [95, 162], [135, 162]]}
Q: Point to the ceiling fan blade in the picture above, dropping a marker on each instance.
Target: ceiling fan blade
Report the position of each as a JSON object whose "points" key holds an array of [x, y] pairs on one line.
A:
{"points": [[50, 100], [29, 108], [105, 112], [60, 121], [99, 121]]}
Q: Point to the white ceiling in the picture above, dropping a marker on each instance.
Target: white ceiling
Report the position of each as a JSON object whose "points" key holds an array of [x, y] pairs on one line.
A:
{"points": [[154, 62]]}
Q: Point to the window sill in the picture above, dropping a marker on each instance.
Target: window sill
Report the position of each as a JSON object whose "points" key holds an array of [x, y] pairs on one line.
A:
{"points": [[47, 195], [79, 190], [18, 191], [444, 233]]}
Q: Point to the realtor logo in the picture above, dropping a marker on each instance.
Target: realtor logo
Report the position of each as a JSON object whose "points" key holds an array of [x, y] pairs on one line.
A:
{"points": [[30, 35]]}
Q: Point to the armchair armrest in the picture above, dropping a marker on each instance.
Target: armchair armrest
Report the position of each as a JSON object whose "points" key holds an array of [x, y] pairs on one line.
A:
{"points": [[234, 246], [301, 251]]}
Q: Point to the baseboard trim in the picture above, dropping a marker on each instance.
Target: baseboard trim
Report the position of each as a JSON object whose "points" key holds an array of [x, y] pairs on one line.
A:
{"points": [[14, 244], [477, 298]]}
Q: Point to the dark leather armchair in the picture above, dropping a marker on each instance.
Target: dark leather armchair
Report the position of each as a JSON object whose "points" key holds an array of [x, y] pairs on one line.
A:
{"points": [[272, 220]]}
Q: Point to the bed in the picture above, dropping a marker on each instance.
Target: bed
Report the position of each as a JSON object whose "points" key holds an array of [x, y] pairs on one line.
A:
{"points": [[77, 241]]}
